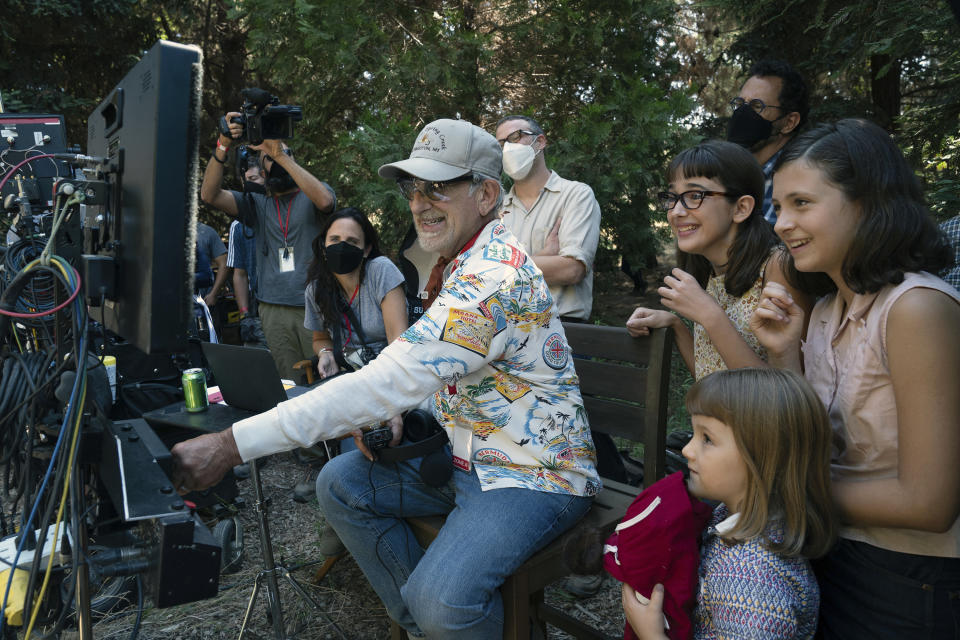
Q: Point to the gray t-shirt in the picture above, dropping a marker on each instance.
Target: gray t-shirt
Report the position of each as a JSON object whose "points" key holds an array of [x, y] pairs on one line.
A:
{"points": [[275, 286], [381, 277], [209, 242]]}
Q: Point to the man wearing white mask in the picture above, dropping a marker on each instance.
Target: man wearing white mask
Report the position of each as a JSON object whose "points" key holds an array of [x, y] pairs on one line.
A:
{"points": [[556, 220]]}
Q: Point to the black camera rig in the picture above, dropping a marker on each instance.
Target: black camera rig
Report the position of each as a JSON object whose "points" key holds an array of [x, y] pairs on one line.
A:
{"points": [[377, 438], [263, 118]]}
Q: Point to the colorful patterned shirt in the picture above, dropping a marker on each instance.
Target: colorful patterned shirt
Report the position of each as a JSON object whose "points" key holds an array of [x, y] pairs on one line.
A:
{"points": [[490, 356], [739, 310], [493, 338], [748, 591]]}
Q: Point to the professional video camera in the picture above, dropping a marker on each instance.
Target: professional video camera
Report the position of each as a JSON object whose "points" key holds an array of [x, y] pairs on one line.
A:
{"points": [[263, 118]]}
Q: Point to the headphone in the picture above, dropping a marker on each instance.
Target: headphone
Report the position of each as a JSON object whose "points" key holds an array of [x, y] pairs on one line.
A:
{"points": [[423, 437]]}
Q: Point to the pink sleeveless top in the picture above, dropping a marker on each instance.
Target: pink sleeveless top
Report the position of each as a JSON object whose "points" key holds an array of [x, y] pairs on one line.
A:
{"points": [[846, 356]]}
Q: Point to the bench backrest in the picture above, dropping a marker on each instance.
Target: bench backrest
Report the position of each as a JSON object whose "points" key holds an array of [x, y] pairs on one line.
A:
{"points": [[624, 383]]}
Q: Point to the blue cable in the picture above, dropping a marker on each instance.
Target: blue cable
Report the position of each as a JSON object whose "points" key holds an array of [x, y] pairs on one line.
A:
{"points": [[72, 406]]}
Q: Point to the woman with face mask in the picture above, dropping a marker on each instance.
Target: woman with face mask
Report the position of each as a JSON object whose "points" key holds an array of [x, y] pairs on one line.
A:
{"points": [[355, 306], [354, 297]]}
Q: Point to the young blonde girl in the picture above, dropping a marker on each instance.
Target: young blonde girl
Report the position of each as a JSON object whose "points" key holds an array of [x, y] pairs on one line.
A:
{"points": [[761, 448], [725, 254], [883, 355]]}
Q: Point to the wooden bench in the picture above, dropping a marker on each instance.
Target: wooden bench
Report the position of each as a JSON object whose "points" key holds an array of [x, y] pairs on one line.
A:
{"points": [[624, 382]]}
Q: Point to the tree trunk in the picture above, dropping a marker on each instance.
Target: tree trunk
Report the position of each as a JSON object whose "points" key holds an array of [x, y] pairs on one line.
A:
{"points": [[885, 90]]}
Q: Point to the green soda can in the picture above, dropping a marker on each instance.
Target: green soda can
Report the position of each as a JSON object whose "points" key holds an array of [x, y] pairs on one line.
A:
{"points": [[195, 390]]}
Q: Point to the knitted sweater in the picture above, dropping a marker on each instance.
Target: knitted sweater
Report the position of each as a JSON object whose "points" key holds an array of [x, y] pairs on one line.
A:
{"points": [[748, 591]]}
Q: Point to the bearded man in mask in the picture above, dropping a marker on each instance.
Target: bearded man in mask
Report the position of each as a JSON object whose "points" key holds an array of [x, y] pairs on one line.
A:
{"points": [[556, 220], [285, 220], [769, 111]]}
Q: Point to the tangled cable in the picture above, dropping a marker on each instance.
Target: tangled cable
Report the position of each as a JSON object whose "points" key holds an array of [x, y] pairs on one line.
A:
{"points": [[25, 394]]}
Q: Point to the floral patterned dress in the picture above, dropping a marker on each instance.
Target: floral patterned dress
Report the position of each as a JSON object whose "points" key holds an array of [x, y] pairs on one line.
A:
{"points": [[739, 310]]}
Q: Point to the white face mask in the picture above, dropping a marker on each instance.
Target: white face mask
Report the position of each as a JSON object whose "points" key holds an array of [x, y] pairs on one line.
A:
{"points": [[518, 159]]}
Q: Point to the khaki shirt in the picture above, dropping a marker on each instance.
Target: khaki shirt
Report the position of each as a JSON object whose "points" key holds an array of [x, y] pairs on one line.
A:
{"points": [[575, 203]]}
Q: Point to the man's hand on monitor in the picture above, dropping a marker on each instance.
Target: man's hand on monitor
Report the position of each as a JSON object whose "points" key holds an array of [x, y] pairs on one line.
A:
{"points": [[201, 462]]}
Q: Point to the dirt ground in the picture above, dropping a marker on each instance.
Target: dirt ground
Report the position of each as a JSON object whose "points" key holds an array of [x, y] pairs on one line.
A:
{"points": [[348, 607]]}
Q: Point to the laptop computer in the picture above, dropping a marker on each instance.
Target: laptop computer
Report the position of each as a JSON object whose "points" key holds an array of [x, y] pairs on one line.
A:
{"points": [[247, 377]]}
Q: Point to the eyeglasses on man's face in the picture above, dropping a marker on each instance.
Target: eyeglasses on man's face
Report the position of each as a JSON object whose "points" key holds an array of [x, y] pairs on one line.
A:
{"points": [[689, 199], [435, 191], [516, 136], [756, 104]]}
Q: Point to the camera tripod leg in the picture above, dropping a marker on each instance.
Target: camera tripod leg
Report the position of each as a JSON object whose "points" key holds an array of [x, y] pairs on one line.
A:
{"points": [[269, 565], [271, 570], [298, 587]]}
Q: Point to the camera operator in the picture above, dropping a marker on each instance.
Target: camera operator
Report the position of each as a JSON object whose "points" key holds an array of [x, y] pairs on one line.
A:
{"points": [[285, 222], [491, 359]]}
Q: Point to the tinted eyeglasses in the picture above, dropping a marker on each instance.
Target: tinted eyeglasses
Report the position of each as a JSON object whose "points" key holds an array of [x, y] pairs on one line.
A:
{"points": [[689, 199], [516, 136], [435, 191], [756, 104]]}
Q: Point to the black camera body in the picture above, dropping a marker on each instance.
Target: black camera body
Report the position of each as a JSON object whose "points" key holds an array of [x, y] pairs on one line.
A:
{"points": [[377, 438], [263, 118]]}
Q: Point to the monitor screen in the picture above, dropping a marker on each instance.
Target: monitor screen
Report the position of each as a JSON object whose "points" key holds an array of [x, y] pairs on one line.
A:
{"points": [[146, 128]]}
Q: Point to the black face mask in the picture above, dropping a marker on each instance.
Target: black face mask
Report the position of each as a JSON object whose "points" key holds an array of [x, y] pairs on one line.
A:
{"points": [[279, 180], [747, 127], [253, 187], [342, 257]]}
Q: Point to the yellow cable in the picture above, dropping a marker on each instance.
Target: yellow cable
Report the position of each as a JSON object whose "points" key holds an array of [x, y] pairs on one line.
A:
{"points": [[16, 337], [63, 502], [69, 470]]}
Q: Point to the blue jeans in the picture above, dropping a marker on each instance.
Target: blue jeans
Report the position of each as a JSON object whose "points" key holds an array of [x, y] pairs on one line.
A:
{"points": [[452, 589]]}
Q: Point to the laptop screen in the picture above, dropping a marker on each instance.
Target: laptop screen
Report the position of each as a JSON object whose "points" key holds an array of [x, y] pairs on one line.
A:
{"points": [[247, 376]]}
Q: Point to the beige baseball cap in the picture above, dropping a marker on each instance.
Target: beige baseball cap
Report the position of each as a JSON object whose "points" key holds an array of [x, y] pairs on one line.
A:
{"points": [[447, 149]]}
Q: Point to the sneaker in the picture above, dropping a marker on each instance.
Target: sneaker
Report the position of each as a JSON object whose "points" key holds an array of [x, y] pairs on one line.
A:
{"points": [[303, 492], [330, 544], [310, 455], [582, 586], [242, 471]]}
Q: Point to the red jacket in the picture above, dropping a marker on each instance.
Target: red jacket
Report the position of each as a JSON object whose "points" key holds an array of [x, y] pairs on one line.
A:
{"points": [[658, 542]]}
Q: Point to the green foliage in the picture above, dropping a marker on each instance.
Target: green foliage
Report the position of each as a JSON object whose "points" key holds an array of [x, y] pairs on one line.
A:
{"points": [[895, 62], [62, 57], [594, 73]]}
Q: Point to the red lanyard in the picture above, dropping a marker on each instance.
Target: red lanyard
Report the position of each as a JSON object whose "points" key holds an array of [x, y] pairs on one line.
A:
{"points": [[346, 320], [285, 228]]}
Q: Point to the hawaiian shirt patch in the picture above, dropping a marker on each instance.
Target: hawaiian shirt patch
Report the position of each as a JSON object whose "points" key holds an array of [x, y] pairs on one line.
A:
{"points": [[555, 352], [505, 254], [468, 330], [492, 308]]}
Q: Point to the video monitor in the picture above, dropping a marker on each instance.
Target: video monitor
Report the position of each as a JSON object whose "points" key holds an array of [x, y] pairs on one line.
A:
{"points": [[147, 129]]}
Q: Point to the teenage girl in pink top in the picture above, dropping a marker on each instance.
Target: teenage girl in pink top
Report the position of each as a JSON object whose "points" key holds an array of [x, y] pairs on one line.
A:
{"points": [[882, 352]]}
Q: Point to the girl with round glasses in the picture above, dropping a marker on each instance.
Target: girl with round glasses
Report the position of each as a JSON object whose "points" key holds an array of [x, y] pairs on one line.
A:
{"points": [[726, 253]]}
